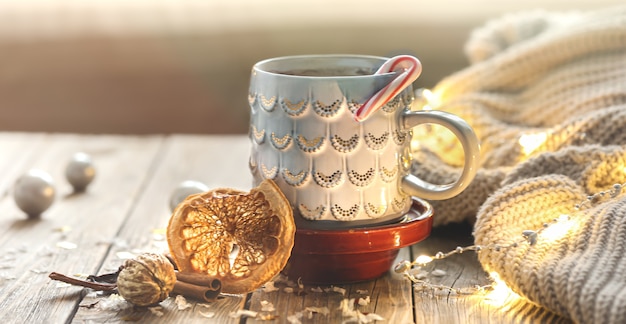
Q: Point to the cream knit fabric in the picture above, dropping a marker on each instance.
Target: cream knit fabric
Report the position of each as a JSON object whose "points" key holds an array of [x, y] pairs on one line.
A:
{"points": [[557, 80]]}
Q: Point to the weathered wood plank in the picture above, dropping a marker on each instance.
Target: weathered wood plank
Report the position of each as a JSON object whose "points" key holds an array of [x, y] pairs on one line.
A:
{"points": [[390, 297], [464, 271], [126, 210], [30, 247], [216, 161]]}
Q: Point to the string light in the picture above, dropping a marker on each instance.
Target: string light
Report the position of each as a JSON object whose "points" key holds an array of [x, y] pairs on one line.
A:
{"points": [[430, 135], [497, 292], [500, 294], [437, 136], [423, 259], [531, 142], [559, 229], [431, 99]]}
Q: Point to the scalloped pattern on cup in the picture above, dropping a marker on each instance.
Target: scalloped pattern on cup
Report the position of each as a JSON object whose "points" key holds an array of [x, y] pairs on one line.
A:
{"points": [[269, 173], [267, 104], [345, 214], [344, 145], [294, 179], [392, 105], [253, 166], [257, 135], [374, 211], [388, 174], [328, 181], [353, 106], [399, 136], [293, 108], [312, 213], [310, 147], [376, 142], [251, 98], [400, 203], [325, 110], [280, 142], [361, 179]]}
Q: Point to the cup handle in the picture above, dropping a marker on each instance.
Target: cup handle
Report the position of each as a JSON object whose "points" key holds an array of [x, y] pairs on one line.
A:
{"points": [[417, 187]]}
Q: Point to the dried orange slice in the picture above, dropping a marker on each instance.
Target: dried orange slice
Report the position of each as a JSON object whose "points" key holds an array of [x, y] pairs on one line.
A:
{"points": [[243, 239]]}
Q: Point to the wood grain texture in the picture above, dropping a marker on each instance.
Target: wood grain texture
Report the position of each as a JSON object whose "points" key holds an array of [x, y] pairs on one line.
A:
{"points": [[390, 297], [217, 162], [463, 271], [30, 247], [125, 211]]}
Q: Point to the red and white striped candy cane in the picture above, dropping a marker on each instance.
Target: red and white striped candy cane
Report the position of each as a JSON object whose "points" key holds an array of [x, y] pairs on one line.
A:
{"points": [[409, 68]]}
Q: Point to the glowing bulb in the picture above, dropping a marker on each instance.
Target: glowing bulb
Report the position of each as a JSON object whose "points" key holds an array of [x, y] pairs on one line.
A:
{"points": [[530, 142], [423, 259], [559, 229], [500, 294], [432, 100]]}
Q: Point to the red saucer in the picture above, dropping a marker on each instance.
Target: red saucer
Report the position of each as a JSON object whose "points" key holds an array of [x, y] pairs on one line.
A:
{"points": [[355, 254]]}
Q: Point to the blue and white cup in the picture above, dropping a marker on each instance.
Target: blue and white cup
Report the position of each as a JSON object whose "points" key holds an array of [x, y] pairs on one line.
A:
{"points": [[335, 171]]}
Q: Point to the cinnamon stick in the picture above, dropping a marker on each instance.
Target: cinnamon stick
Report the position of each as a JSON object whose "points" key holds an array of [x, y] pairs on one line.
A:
{"points": [[82, 283], [197, 286], [199, 280], [203, 293]]}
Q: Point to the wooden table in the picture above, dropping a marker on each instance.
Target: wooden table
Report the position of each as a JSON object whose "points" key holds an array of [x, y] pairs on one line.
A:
{"points": [[125, 211]]}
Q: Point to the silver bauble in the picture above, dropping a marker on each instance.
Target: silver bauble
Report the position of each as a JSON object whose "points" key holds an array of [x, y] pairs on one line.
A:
{"points": [[80, 171], [185, 189], [34, 192]]}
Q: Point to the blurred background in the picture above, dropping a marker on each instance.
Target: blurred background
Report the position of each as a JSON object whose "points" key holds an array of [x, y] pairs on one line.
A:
{"points": [[145, 67]]}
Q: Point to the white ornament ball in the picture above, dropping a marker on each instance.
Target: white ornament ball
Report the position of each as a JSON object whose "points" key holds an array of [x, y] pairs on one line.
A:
{"points": [[34, 192], [80, 171], [185, 189]]}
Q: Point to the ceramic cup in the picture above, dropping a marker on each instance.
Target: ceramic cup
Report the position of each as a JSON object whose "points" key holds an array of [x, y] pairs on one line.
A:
{"points": [[335, 171]]}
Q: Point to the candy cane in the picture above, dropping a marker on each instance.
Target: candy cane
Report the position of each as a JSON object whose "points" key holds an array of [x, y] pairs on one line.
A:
{"points": [[409, 68]]}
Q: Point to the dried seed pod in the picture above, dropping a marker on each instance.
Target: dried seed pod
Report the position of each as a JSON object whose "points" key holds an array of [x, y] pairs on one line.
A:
{"points": [[146, 279]]}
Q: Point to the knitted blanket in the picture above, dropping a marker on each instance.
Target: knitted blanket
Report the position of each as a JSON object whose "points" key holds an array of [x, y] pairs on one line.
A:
{"points": [[546, 95]]}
